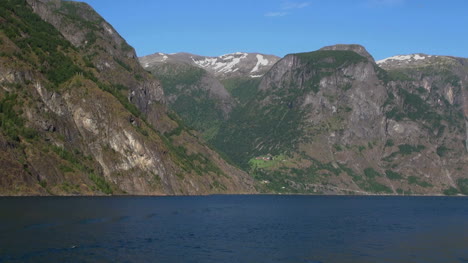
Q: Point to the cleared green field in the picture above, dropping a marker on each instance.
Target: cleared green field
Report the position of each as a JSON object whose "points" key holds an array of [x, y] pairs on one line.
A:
{"points": [[263, 163]]}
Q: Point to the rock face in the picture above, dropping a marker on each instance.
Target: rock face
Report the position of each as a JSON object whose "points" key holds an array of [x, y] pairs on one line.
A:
{"points": [[103, 47], [443, 76], [334, 121], [79, 115]]}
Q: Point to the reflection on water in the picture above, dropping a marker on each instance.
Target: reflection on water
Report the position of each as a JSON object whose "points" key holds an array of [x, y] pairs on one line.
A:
{"points": [[234, 229]]}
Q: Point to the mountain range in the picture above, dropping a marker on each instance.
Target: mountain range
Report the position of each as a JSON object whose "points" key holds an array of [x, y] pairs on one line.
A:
{"points": [[239, 64], [334, 120], [81, 114]]}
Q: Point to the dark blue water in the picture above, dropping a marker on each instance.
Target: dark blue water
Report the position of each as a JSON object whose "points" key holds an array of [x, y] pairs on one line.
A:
{"points": [[234, 229]]}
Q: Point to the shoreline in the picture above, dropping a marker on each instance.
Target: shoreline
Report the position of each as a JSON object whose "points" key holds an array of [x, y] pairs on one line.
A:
{"points": [[211, 195]]}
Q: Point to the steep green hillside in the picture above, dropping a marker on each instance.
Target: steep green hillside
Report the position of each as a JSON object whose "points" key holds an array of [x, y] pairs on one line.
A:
{"points": [[205, 90], [242, 89], [198, 98], [78, 115]]}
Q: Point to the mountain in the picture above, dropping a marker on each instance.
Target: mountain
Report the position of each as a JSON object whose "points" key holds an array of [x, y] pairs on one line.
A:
{"points": [[79, 115], [335, 121], [205, 90], [227, 66]]}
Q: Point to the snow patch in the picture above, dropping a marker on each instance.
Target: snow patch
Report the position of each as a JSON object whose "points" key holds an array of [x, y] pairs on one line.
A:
{"points": [[418, 57], [404, 58], [256, 76], [261, 61], [223, 64]]}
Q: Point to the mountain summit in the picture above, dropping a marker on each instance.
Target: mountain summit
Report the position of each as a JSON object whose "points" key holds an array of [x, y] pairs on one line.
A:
{"points": [[351, 47]]}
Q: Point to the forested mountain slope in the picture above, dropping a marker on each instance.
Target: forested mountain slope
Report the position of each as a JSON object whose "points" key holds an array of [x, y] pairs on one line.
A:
{"points": [[79, 115]]}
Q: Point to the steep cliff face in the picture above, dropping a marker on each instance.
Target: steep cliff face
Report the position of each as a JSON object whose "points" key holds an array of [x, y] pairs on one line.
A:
{"points": [[80, 116], [442, 79], [429, 107], [104, 50], [333, 121]]}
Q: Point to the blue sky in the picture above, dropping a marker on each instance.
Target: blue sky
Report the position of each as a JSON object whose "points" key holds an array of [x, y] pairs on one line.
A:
{"points": [[280, 27]]}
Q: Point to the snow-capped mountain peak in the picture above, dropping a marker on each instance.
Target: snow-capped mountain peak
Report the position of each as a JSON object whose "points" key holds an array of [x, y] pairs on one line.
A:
{"points": [[404, 58], [239, 64]]}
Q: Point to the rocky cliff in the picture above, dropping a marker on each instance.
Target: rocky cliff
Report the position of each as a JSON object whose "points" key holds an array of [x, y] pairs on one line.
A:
{"points": [[79, 115], [335, 121]]}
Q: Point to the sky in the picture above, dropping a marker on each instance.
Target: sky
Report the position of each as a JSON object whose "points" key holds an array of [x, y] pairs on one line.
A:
{"points": [[279, 27]]}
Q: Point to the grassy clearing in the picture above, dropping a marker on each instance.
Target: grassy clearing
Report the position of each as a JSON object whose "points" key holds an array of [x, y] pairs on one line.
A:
{"points": [[263, 162]]}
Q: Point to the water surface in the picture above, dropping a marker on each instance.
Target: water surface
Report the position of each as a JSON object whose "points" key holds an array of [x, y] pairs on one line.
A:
{"points": [[234, 229]]}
